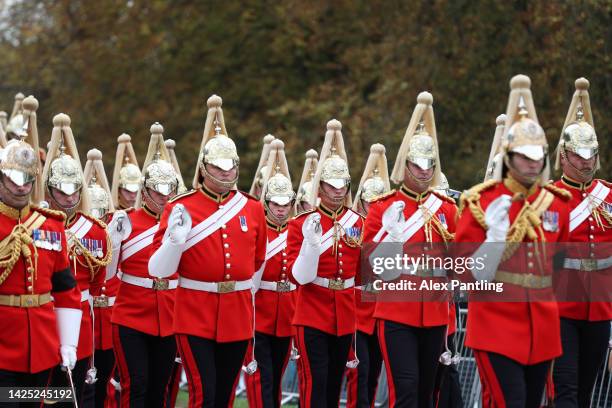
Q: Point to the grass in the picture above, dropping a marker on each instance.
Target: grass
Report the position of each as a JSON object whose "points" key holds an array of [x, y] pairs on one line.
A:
{"points": [[182, 401]]}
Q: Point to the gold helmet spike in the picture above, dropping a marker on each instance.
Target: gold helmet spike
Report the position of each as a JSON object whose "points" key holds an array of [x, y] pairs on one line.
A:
{"points": [[98, 188], [522, 132], [63, 170], [375, 178], [171, 146], [578, 133], [494, 164], [420, 142], [257, 184], [333, 164], [126, 172], [158, 174], [216, 148], [276, 183], [18, 105]]}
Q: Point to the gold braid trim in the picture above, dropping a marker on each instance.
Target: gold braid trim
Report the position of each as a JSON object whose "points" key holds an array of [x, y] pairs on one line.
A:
{"points": [[558, 191], [91, 262], [471, 198], [11, 250]]}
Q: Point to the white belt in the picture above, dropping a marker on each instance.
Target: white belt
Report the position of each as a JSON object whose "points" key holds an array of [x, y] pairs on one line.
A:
{"points": [[156, 284], [216, 287], [85, 295], [427, 273], [334, 284], [277, 286], [588, 264]]}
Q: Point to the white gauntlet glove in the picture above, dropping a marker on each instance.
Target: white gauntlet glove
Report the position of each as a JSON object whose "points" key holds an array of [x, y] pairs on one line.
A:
{"points": [[165, 260], [68, 328], [393, 221], [119, 229], [306, 264], [492, 250]]}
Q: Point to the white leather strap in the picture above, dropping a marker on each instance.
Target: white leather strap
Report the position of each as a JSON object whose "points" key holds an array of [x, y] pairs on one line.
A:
{"points": [[215, 287], [80, 227], [346, 221], [158, 284], [587, 264], [583, 210], [278, 244], [214, 222], [139, 242], [277, 286], [333, 283]]}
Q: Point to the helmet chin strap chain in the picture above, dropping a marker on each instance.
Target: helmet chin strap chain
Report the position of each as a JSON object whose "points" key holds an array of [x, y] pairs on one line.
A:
{"points": [[586, 174], [220, 183]]}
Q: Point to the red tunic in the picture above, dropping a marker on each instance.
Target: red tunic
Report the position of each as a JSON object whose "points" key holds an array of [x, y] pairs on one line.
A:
{"points": [[231, 253], [589, 233], [147, 310], [29, 341], [423, 312], [274, 310], [328, 310], [527, 332], [103, 331], [94, 237]]}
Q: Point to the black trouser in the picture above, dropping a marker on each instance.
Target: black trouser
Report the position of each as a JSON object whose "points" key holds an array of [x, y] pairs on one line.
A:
{"points": [[322, 361], [19, 380], [574, 373], [145, 366], [105, 361], [368, 371], [59, 378], [411, 356], [508, 383], [447, 392], [211, 368], [264, 386]]}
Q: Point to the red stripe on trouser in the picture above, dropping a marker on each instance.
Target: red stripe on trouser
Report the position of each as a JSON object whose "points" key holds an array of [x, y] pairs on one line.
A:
{"points": [[304, 370], [111, 394], [492, 394], [196, 393], [253, 382], [172, 388], [351, 387], [380, 324], [121, 363]]}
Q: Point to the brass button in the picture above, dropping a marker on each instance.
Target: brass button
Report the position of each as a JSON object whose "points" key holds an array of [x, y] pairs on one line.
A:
{"points": [[284, 261], [340, 263], [340, 254], [227, 276], [30, 269], [284, 254], [530, 264], [29, 279], [227, 255], [339, 245], [227, 265], [283, 275], [340, 271], [224, 235], [103, 288], [590, 236], [284, 268], [223, 226], [30, 287], [529, 254], [226, 245]]}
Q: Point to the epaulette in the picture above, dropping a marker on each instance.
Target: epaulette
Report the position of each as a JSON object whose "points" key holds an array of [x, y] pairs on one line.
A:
{"points": [[558, 191], [383, 196], [303, 213], [100, 223], [58, 215], [185, 194], [443, 197], [357, 212], [471, 199]]}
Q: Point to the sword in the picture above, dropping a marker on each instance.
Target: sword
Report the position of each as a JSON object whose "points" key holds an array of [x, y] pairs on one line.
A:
{"points": [[69, 371]]}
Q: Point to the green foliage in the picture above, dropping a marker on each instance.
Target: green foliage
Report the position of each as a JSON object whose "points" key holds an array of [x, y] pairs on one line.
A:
{"points": [[287, 67]]}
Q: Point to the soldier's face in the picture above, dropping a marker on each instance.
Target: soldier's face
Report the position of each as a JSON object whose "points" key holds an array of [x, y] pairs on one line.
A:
{"points": [[128, 197], [524, 169], [417, 179], [280, 212], [331, 196], [225, 176], [305, 206], [14, 195], [578, 168], [159, 200], [65, 200]]}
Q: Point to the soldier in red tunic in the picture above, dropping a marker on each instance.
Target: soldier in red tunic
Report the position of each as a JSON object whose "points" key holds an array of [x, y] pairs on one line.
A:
{"points": [[88, 242], [103, 292], [39, 297], [411, 330], [361, 383], [585, 322], [126, 174], [514, 334], [214, 238], [323, 249], [275, 298], [142, 318]]}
